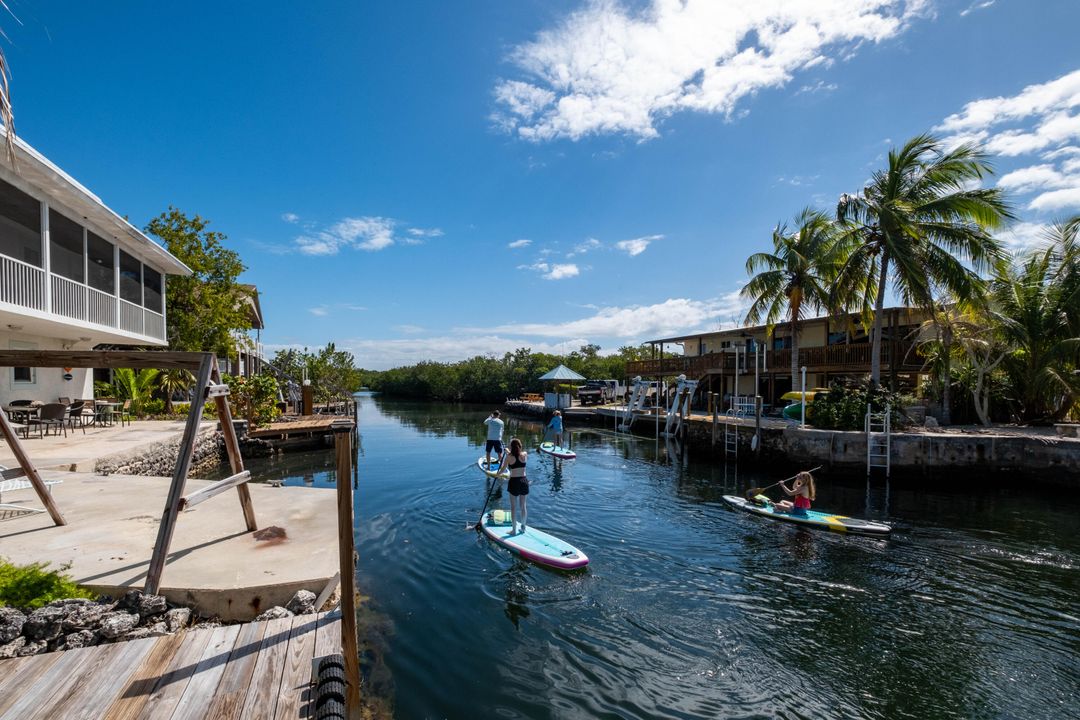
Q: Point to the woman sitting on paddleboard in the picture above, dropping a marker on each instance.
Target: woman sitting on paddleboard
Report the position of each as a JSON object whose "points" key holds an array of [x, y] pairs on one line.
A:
{"points": [[802, 490], [555, 426], [518, 485]]}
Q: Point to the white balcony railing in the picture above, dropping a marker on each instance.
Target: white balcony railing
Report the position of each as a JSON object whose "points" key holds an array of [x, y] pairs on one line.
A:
{"points": [[21, 283], [131, 317], [102, 308], [68, 298]]}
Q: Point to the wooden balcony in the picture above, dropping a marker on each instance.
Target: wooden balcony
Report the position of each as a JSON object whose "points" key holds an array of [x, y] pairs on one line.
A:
{"points": [[834, 358]]}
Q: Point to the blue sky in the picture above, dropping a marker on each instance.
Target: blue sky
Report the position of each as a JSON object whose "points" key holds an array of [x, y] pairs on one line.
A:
{"points": [[431, 180]]}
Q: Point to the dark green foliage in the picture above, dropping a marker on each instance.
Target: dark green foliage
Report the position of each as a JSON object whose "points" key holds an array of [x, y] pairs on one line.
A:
{"points": [[207, 308], [33, 586], [332, 372], [490, 379], [844, 408], [253, 398]]}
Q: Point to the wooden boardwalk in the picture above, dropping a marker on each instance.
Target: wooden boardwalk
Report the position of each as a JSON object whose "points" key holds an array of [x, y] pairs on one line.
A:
{"points": [[258, 670], [303, 425]]}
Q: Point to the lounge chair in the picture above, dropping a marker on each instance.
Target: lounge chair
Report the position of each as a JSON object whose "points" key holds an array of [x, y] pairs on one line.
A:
{"points": [[11, 480]]}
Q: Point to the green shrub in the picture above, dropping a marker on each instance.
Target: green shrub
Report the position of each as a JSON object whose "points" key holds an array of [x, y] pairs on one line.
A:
{"points": [[844, 408], [154, 406], [253, 398], [33, 586], [181, 408]]}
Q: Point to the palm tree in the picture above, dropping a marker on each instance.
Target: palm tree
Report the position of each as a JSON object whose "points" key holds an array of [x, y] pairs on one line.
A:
{"points": [[919, 225], [794, 278], [173, 381], [136, 387], [1038, 298], [7, 115]]}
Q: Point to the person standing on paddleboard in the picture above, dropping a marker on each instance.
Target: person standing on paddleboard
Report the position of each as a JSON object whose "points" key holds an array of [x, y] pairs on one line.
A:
{"points": [[494, 438], [802, 490], [555, 426], [518, 485]]}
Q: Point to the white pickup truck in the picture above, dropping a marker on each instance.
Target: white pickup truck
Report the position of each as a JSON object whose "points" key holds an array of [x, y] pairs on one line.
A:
{"points": [[597, 392]]}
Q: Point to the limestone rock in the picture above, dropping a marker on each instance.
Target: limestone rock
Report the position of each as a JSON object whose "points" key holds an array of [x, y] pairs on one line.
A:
{"points": [[207, 623], [930, 422], [117, 623], [12, 648], [79, 639], [302, 603], [274, 613], [44, 623], [84, 617], [151, 605], [177, 618], [11, 624], [34, 648], [155, 630]]}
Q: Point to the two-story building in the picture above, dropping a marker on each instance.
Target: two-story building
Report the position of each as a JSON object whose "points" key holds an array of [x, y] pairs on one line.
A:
{"points": [[73, 275], [830, 348]]}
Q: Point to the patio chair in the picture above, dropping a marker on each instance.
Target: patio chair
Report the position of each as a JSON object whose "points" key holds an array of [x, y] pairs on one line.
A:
{"points": [[51, 415], [64, 400], [125, 413], [15, 414], [75, 417]]}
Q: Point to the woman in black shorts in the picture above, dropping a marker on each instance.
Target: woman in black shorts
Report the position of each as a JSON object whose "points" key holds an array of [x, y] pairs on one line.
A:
{"points": [[518, 485]]}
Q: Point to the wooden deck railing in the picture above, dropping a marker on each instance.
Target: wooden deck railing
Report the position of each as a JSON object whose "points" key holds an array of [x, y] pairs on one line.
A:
{"points": [[838, 358]]}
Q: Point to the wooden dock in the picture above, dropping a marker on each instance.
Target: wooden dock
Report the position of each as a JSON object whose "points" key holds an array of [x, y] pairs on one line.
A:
{"points": [[304, 425], [257, 670]]}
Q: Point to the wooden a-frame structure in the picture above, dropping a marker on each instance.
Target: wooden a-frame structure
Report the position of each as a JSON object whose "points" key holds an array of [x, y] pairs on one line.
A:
{"points": [[207, 385]]}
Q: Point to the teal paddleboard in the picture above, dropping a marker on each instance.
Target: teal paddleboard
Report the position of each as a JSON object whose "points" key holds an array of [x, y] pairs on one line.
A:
{"points": [[535, 545], [811, 518]]}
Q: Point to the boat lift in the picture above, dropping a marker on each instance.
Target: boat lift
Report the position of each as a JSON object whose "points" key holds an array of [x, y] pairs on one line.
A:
{"points": [[680, 405], [639, 393]]}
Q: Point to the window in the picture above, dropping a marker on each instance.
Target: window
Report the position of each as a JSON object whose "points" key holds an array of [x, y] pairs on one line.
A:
{"points": [[101, 271], [20, 225], [65, 247], [781, 343], [838, 338], [22, 375], [152, 290], [130, 279]]}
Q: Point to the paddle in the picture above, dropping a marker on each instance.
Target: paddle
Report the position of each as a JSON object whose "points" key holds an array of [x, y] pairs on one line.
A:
{"points": [[487, 499], [757, 491]]}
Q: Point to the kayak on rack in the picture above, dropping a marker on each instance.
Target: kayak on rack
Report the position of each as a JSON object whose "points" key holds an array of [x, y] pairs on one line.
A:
{"points": [[535, 545], [811, 518], [492, 469], [558, 451]]}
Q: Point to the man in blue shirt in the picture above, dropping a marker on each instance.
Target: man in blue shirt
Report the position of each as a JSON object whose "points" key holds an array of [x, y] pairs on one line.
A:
{"points": [[555, 426]]}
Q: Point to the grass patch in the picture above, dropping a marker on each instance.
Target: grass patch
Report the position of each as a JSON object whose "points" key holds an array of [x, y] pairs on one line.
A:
{"points": [[34, 585]]}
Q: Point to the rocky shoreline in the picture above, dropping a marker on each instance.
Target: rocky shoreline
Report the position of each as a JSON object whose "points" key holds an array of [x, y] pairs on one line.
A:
{"points": [[79, 622], [159, 459]]}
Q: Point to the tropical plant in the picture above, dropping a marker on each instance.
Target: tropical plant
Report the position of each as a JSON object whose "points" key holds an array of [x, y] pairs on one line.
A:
{"points": [[1038, 299], [138, 387], [793, 279], [844, 407], [34, 585], [919, 227], [253, 398], [173, 381]]}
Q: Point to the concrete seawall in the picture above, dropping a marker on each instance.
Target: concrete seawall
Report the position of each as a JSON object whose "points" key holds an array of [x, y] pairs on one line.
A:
{"points": [[960, 455]]}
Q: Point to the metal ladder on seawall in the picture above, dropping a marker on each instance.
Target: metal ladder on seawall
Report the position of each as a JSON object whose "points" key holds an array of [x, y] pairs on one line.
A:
{"points": [[731, 440], [878, 439]]}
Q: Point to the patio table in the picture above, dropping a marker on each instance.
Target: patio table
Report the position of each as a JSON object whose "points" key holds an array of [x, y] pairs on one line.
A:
{"points": [[106, 411]]}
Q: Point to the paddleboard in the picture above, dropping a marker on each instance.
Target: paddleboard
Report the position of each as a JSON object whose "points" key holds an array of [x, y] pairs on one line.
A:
{"points": [[812, 518], [491, 470], [533, 544], [558, 451]]}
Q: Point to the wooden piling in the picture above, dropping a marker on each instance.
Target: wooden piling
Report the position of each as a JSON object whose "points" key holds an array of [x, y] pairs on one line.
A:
{"points": [[347, 557]]}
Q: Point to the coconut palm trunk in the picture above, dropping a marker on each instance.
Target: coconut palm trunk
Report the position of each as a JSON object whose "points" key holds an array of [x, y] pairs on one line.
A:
{"points": [[879, 310]]}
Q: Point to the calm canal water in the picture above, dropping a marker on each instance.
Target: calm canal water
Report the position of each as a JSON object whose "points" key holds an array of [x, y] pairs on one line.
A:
{"points": [[689, 609]]}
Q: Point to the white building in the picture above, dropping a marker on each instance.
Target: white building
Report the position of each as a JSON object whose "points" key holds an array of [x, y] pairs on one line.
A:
{"points": [[73, 275]]}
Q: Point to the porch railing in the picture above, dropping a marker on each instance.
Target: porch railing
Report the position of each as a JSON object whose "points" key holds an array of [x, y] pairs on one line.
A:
{"points": [[131, 317], [102, 308], [68, 298], [854, 358], [21, 283]]}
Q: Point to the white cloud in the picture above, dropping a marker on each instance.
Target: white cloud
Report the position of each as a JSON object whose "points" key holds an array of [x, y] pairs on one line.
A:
{"points": [[382, 354], [584, 247], [291, 218], [409, 329], [369, 233], [1023, 236], [320, 311], [1042, 119], [817, 87], [608, 68], [673, 316], [976, 6], [553, 271], [636, 246], [1066, 199], [519, 244]]}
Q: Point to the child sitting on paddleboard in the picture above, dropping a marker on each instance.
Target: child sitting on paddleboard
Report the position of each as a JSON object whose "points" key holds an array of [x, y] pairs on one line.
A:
{"points": [[518, 485], [802, 490], [555, 426]]}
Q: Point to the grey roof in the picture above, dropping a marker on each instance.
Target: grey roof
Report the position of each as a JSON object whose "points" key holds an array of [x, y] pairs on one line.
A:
{"points": [[562, 373]]}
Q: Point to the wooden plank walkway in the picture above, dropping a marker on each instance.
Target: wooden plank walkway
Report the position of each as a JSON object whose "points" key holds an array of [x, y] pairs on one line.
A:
{"points": [[303, 425], [257, 670]]}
